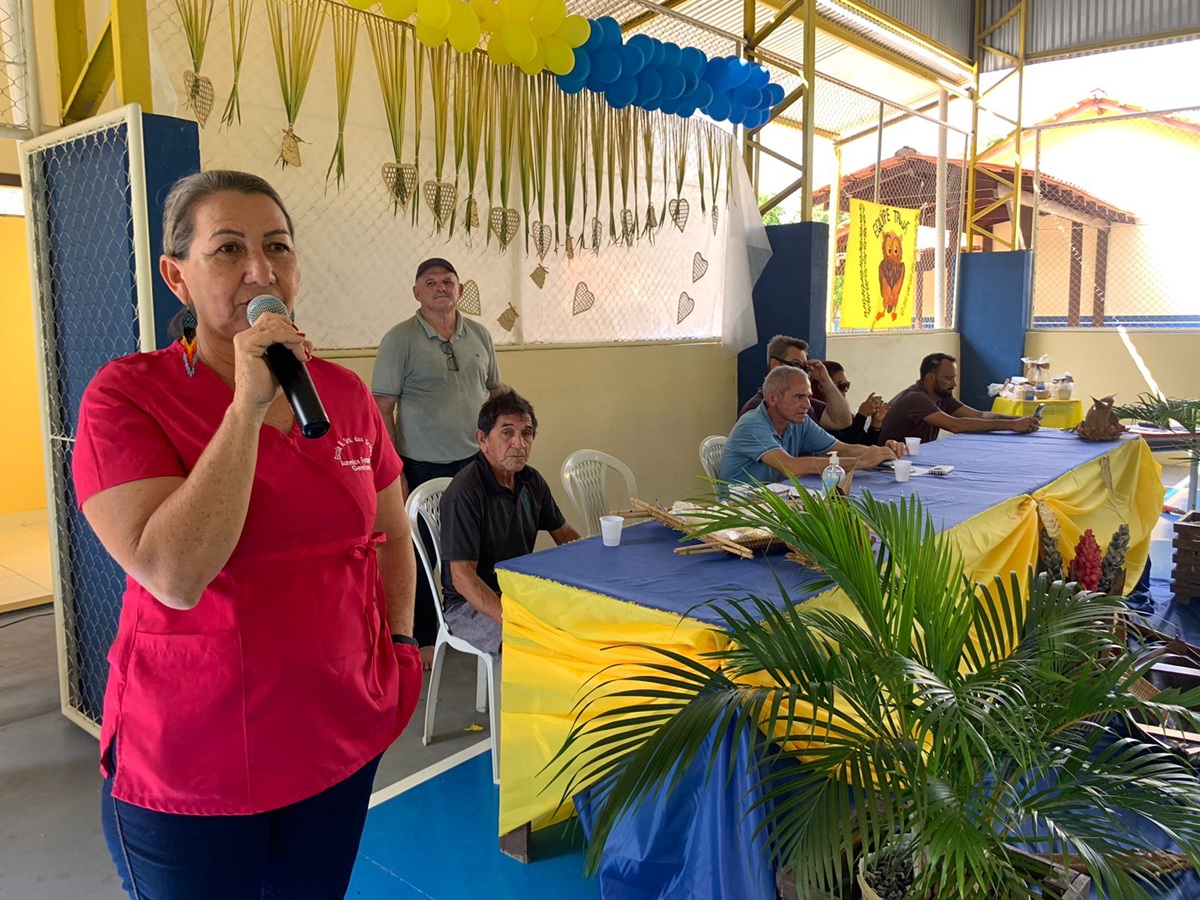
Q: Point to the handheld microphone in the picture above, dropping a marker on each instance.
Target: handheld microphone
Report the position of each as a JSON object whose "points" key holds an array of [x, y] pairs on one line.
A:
{"points": [[292, 374]]}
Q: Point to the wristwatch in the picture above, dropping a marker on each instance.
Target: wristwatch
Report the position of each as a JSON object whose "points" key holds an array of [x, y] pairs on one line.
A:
{"points": [[404, 639]]}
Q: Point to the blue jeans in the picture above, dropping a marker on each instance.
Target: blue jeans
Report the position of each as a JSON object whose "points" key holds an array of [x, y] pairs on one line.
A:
{"points": [[425, 623], [304, 851]]}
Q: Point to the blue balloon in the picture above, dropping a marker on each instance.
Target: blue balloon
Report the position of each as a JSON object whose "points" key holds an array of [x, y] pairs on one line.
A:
{"points": [[672, 83], [714, 72], [764, 116], [669, 106], [686, 111], [621, 92], [718, 107], [737, 114], [690, 80], [612, 31], [651, 104], [583, 66], [660, 53], [759, 75], [595, 84], [595, 37], [672, 54], [775, 93], [748, 96], [632, 60], [649, 85], [703, 95], [606, 66], [739, 71], [643, 42], [692, 59], [569, 85]]}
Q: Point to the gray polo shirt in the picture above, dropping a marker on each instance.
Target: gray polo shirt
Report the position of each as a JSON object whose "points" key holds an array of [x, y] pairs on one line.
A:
{"points": [[437, 407]]}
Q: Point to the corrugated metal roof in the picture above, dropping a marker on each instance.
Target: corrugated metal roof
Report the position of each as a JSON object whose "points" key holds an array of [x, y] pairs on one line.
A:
{"points": [[948, 22], [1056, 27]]}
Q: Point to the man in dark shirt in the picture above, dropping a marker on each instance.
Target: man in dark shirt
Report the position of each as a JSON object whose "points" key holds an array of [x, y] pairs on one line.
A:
{"points": [[492, 511], [783, 350], [929, 405]]}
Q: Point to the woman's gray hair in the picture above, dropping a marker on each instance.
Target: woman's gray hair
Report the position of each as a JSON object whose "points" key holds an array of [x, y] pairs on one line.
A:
{"points": [[778, 378], [179, 211]]}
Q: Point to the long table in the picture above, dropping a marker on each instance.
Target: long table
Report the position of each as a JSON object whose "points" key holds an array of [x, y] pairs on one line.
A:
{"points": [[572, 611]]}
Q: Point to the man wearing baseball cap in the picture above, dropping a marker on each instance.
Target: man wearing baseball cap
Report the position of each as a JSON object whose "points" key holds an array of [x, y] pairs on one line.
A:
{"points": [[432, 374]]}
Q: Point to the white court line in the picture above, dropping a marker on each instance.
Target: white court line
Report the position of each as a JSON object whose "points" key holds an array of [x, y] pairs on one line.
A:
{"points": [[393, 790]]}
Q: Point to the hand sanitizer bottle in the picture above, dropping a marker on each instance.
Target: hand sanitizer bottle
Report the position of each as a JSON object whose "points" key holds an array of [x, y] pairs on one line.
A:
{"points": [[833, 474]]}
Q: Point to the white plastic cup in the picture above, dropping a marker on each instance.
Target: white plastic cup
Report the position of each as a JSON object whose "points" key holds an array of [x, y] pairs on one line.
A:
{"points": [[913, 444], [610, 530], [903, 469]]}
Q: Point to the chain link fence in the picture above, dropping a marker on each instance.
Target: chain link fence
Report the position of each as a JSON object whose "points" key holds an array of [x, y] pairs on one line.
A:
{"points": [[82, 234], [1113, 241], [18, 96], [889, 154]]}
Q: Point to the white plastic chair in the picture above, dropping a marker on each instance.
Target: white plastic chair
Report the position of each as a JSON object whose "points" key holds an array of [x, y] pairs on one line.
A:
{"points": [[583, 476], [712, 448], [424, 504]]}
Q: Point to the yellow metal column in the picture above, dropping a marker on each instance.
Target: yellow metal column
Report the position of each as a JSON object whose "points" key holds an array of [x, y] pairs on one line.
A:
{"points": [[121, 54], [1008, 192]]}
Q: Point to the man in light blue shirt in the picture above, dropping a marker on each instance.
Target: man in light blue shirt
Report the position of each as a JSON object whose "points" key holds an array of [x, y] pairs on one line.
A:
{"points": [[775, 440]]}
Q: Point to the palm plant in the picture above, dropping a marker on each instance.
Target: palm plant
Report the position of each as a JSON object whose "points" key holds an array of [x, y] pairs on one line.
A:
{"points": [[1165, 412], [956, 718]]}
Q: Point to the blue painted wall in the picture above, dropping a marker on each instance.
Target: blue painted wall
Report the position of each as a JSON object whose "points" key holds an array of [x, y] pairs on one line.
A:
{"points": [[994, 295], [789, 298]]}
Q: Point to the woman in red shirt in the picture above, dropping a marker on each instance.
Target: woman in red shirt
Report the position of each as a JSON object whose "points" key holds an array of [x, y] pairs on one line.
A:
{"points": [[263, 660]]}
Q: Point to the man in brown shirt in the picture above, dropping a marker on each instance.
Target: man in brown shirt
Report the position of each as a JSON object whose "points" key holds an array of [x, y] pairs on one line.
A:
{"points": [[928, 406]]}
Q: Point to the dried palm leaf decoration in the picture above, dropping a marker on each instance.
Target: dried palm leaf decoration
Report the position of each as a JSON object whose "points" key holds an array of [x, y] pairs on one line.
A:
{"points": [[568, 133], [649, 121], [716, 142], [598, 109], [470, 112], [295, 33], [390, 45], [503, 220], [418, 57], [345, 41], [196, 16], [534, 146], [239, 27], [625, 139], [440, 196], [678, 137]]}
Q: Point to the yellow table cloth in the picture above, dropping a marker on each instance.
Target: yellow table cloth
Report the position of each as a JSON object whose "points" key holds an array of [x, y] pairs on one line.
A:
{"points": [[559, 639], [1057, 414]]}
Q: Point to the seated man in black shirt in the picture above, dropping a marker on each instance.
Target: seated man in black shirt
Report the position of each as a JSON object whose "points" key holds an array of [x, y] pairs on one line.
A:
{"points": [[492, 511]]}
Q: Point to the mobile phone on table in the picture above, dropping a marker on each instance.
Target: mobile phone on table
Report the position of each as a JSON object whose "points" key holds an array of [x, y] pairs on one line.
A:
{"points": [[1037, 413]]}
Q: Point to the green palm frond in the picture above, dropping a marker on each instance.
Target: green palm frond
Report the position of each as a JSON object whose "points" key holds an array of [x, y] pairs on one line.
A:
{"points": [[970, 717]]}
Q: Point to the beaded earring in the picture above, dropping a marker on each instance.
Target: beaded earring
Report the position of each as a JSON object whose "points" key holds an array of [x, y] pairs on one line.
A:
{"points": [[188, 341]]}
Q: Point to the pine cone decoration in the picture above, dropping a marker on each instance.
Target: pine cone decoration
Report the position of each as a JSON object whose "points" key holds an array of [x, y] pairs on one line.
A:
{"points": [[1114, 558], [1085, 567], [1050, 560]]}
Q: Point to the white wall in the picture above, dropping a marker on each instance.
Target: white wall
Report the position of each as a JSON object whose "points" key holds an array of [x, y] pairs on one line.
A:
{"points": [[886, 363], [1102, 364], [649, 405]]}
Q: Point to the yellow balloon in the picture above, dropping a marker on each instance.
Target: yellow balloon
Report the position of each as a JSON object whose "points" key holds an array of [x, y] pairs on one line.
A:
{"points": [[433, 14], [522, 46], [574, 30], [463, 30], [361, 4], [497, 52], [508, 8], [430, 37], [524, 9], [559, 58], [398, 10], [548, 17]]}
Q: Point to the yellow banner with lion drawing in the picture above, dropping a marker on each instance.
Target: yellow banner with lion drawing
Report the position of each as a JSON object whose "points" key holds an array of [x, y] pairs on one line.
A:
{"points": [[881, 266]]}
